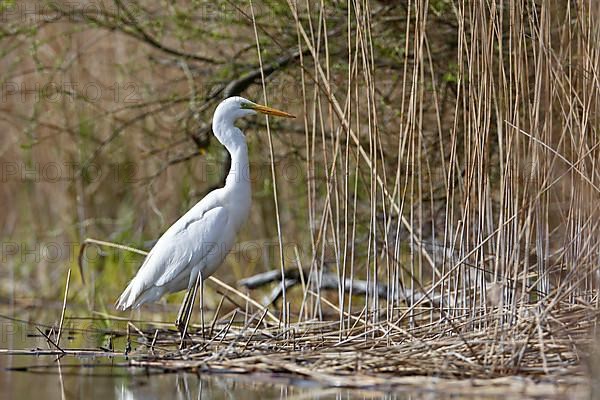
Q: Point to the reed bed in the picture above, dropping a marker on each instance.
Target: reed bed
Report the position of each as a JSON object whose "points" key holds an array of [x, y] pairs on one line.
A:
{"points": [[314, 349], [523, 360], [389, 358]]}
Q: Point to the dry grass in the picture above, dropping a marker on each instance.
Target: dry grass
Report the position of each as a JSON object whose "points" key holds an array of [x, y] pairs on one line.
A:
{"points": [[314, 349]]}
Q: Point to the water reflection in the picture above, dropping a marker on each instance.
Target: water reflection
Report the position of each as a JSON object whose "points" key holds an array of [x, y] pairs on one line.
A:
{"points": [[48, 378]]}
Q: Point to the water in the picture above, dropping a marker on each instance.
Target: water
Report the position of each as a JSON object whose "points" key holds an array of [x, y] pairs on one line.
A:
{"points": [[101, 379], [96, 378], [25, 376]]}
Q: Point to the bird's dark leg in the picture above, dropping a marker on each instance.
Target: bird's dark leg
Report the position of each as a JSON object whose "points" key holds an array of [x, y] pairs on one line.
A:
{"points": [[188, 311], [181, 313], [202, 304]]}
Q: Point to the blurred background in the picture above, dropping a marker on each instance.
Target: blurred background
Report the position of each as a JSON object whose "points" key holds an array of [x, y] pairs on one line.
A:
{"points": [[441, 147]]}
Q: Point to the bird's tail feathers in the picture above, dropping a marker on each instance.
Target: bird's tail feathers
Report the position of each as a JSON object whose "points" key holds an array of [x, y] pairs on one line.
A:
{"points": [[136, 294], [128, 297]]}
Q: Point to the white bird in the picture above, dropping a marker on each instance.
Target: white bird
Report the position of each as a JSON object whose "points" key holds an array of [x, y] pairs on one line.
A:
{"points": [[196, 245]]}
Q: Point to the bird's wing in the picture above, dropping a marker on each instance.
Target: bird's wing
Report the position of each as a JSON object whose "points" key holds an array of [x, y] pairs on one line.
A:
{"points": [[195, 240], [188, 241]]}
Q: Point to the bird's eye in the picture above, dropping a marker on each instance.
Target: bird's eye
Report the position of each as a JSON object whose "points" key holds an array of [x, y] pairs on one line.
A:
{"points": [[244, 105]]}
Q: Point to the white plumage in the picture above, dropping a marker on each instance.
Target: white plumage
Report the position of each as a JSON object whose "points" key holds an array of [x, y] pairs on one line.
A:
{"points": [[201, 239]]}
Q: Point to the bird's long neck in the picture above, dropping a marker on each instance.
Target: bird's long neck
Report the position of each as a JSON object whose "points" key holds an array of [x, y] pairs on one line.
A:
{"points": [[238, 178]]}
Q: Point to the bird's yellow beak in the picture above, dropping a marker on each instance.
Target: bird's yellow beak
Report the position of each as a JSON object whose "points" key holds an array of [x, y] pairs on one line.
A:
{"points": [[270, 111]]}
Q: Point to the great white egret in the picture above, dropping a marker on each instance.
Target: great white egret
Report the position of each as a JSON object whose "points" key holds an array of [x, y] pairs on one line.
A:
{"points": [[196, 245]]}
